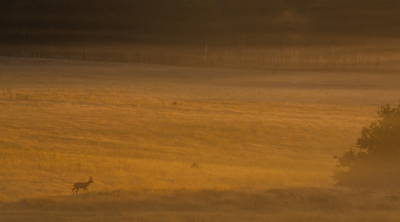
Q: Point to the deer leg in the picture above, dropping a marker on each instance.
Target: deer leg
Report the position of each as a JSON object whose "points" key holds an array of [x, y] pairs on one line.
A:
{"points": [[73, 191], [77, 190]]}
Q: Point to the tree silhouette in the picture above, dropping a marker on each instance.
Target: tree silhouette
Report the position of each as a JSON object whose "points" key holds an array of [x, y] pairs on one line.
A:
{"points": [[377, 162]]}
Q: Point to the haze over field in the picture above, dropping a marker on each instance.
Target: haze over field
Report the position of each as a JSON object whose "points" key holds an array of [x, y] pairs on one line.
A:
{"points": [[209, 110]]}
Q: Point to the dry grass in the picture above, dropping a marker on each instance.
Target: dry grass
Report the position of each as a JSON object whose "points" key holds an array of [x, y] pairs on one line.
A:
{"points": [[294, 204], [139, 128]]}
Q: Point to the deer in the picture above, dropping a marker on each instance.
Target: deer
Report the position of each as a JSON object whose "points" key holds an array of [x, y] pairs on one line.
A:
{"points": [[82, 185]]}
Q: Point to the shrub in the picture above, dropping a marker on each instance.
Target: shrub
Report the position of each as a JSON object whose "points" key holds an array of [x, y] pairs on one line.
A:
{"points": [[376, 164]]}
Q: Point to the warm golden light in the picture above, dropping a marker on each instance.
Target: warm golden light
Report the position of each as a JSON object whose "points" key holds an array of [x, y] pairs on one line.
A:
{"points": [[189, 110]]}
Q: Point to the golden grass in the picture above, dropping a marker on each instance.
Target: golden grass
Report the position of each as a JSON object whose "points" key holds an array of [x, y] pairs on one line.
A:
{"points": [[140, 127], [294, 204]]}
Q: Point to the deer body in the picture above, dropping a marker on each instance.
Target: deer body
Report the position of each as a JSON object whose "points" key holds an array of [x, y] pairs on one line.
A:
{"points": [[82, 185]]}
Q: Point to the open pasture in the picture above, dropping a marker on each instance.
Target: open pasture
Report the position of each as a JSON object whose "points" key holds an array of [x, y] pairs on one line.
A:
{"points": [[138, 129]]}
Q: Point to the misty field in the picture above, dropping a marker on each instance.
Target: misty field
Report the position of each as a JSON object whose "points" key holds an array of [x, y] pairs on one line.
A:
{"points": [[166, 143]]}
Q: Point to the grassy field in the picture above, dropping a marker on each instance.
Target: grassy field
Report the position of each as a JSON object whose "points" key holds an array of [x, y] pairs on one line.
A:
{"points": [[263, 141]]}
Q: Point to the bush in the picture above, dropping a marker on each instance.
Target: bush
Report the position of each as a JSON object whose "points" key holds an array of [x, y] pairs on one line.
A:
{"points": [[376, 164]]}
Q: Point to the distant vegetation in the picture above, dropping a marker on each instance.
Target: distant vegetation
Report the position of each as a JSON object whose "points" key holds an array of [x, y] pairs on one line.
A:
{"points": [[157, 20], [257, 34]]}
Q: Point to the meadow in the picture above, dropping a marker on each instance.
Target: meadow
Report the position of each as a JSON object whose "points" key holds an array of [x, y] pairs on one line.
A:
{"points": [[261, 142]]}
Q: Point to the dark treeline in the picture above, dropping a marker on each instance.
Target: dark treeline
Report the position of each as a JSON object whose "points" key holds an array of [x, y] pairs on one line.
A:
{"points": [[199, 17]]}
